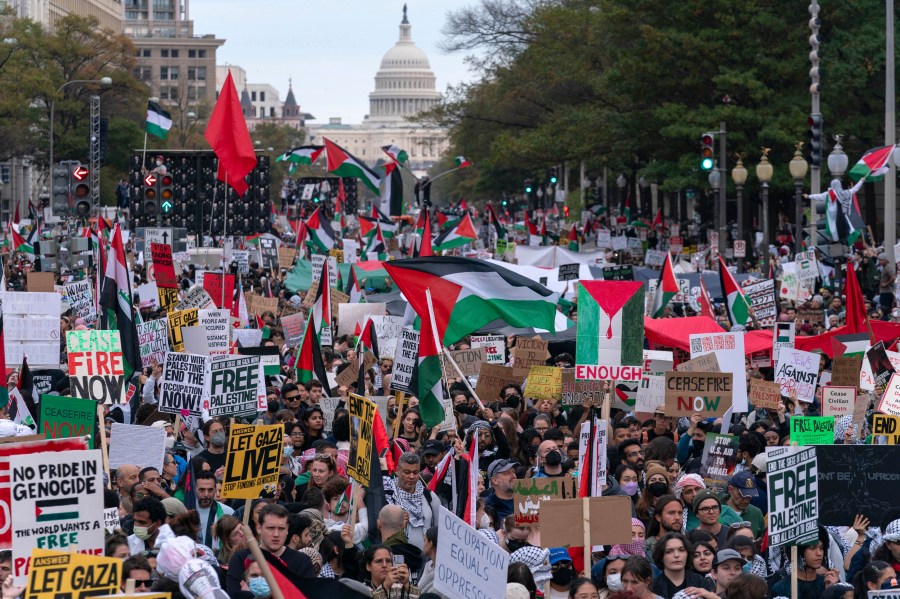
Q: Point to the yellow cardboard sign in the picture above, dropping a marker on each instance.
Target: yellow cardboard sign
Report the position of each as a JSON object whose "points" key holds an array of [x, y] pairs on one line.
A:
{"points": [[56, 574], [544, 382], [178, 319], [362, 419], [253, 461]]}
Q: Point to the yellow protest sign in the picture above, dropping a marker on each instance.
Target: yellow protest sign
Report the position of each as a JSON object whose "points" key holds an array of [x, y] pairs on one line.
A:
{"points": [[178, 319], [253, 461], [362, 418], [544, 382], [56, 574]]}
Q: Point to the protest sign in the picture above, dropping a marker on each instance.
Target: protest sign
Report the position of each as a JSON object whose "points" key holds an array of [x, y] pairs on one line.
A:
{"points": [[41, 281], [882, 367], [217, 324], [608, 521], [154, 341], [885, 430], [599, 464], [286, 257], [492, 379], [349, 376], [890, 400], [575, 392], [469, 361], [704, 363], [729, 350], [195, 341], [294, 327], [245, 338], [168, 298], [405, 360], [845, 371], [269, 358], [386, 327], [96, 367], [651, 394], [80, 296], [528, 493], [31, 328], [719, 460], [467, 563], [704, 393], [49, 382], [65, 417], [258, 305], [765, 394], [111, 519], [797, 373], [163, 265], [783, 339], [349, 315], [793, 487], [196, 297], [856, 479], [885, 594], [57, 503], [522, 360], [60, 574], [268, 250], [604, 240], [544, 382], [618, 273], [812, 430], [658, 362], [761, 295], [838, 401], [610, 334], [241, 258], [212, 284], [234, 387], [494, 347], [138, 445], [183, 384], [362, 418], [178, 319], [568, 272], [807, 267], [253, 460]]}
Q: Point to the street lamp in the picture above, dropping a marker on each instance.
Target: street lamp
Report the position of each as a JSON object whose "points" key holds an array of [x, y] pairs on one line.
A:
{"points": [[764, 172], [798, 167], [715, 179], [103, 82], [837, 160], [621, 182], [739, 176], [645, 196]]}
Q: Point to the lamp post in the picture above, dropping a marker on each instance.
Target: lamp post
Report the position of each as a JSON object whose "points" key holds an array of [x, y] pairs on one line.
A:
{"points": [[764, 172], [798, 167], [646, 209], [103, 82], [739, 176], [621, 182]]}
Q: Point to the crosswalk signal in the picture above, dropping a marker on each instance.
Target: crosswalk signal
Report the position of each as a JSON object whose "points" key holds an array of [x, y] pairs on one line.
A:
{"points": [[706, 152], [816, 126]]}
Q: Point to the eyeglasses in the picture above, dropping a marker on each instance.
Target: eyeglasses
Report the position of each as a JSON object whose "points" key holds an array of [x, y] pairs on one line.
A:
{"points": [[708, 509], [743, 524], [292, 398], [632, 454], [560, 566]]}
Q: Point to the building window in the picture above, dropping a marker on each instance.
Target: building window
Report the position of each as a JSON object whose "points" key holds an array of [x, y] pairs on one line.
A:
{"points": [[164, 73], [272, 111], [201, 53], [192, 54], [164, 93], [253, 96], [192, 93], [146, 53], [192, 73], [173, 73], [164, 52], [201, 73], [262, 96], [174, 53]]}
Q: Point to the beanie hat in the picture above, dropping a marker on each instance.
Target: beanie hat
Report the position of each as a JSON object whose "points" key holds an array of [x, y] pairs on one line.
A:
{"points": [[656, 469], [702, 496]]}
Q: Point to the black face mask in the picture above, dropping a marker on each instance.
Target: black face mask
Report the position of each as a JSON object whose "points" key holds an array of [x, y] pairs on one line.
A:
{"points": [[658, 489], [698, 447], [553, 459], [563, 576], [513, 401], [273, 406], [516, 545]]}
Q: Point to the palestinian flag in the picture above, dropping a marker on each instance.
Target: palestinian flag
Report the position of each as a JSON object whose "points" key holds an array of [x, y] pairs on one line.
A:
{"points": [[321, 235], [368, 269], [658, 221], [457, 236], [19, 244], [587, 474], [665, 290], [420, 222], [461, 162], [388, 226], [854, 344], [533, 237], [321, 309], [466, 295], [392, 193], [158, 120], [499, 229], [627, 210], [367, 343], [376, 242], [18, 407], [843, 220], [367, 226], [573, 238], [343, 163], [309, 364], [54, 510], [705, 301], [425, 245], [735, 300], [116, 312], [873, 165], [396, 154], [301, 155]]}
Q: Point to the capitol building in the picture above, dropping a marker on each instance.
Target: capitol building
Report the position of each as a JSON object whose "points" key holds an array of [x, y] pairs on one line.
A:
{"points": [[404, 87]]}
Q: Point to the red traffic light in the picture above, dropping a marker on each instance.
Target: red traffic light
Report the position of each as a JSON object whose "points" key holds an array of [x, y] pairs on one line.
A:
{"points": [[80, 173], [707, 139], [167, 180], [150, 180]]}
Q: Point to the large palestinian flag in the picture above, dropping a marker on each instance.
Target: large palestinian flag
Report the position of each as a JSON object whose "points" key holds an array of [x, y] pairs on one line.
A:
{"points": [[343, 163], [116, 313], [735, 300], [301, 155], [466, 295], [610, 326], [309, 364], [665, 290], [873, 165], [458, 236], [321, 235]]}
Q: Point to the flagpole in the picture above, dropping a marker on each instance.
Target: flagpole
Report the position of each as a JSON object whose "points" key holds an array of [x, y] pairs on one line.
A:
{"points": [[144, 154], [436, 177], [224, 235], [212, 210]]}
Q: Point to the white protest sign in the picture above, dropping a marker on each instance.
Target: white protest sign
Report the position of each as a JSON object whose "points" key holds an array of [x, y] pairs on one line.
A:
{"points": [[349, 315], [838, 401], [449, 421], [329, 405], [80, 296], [247, 337], [494, 347], [140, 446], [603, 239], [600, 467], [317, 261], [57, 503], [351, 251], [797, 372], [793, 484], [783, 339], [234, 383], [197, 297], [111, 519], [729, 350], [651, 393], [218, 330], [195, 341], [807, 267], [890, 401], [32, 312], [148, 294], [153, 338], [866, 378], [657, 362], [183, 384], [405, 360], [387, 327], [241, 258], [468, 564]]}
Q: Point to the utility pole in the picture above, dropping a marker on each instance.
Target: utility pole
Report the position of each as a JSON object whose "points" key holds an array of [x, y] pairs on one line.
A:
{"points": [[815, 175], [890, 135], [723, 190]]}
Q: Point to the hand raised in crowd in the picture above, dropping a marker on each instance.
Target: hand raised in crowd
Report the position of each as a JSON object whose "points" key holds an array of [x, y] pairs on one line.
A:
{"points": [[860, 526], [831, 577], [10, 591], [347, 535]]}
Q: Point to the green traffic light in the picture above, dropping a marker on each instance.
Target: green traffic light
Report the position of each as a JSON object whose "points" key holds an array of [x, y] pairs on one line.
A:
{"points": [[553, 180], [706, 164], [528, 189], [167, 206]]}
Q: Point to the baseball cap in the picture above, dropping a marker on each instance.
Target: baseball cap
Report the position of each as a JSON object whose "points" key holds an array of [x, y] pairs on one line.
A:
{"points": [[173, 506], [745, 484], [725, 555], [499, 466], [432, 447], [760, 463], [559, 554]]}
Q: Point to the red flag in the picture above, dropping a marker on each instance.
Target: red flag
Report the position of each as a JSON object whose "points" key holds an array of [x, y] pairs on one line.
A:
{"points": [[706, 307], [658, 221], [227, 133], [857, 321], [426, 248]]}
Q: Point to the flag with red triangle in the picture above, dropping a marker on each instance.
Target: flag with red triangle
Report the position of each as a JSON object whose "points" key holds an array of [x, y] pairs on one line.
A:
{"points": [[705, 301], [457, 236], [425, 246], [666, 289], [735, 301], [321, 310]]}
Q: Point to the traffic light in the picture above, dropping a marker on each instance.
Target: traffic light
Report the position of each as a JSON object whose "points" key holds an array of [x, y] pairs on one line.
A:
{"points": [[707, 162], [566, 211], [60, 199], [80, 190], [816, 126], [317, 194], [553, 178], [166, 192], [528, 188], [150, 196]]}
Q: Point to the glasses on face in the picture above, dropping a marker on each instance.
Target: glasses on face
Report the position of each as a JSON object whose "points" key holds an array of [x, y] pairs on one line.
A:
{"points": [[634, 454], [744, 524], [292, 398], [560, 566], [143, 583], [708, 509]]}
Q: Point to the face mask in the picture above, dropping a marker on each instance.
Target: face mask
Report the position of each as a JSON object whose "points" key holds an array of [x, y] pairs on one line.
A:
{"points": [[218, 439], [170, 442], [273, 406], [630, 488], [142, 532], [516, 545], [698, 446], [889, 584], [563, 576], [553, 459], [658, 489], [289, 451], [484, 522], [259, 587], [614, 582]]}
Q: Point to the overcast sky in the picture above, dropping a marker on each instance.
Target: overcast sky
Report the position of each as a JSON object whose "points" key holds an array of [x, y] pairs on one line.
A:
{"points": [[331, 49]]}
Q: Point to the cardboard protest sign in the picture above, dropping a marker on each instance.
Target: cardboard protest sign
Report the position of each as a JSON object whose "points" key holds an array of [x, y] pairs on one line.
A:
{"points": [[575, 392], [882, 367], [719, 460], [212, 284], [57, 504], [80, 296], [845, 371], [890, 400], [765, 394], [729, 350], [31, 328], [196, 297], [65, 417], [469, 361], [528, 493], [253, 460], [492, 379], [460, 554], [96, 367], [704, 393], [349, 315], [217, 324], [885, 430], [178, 319], [494, 347], [599, 464], [812, 430], [405, 360], [610, 335], [57, 574], [286, 257], [258, 305], [793, 487], [362, 419], [651, 394], [40, 281], [138, 445], [797, 373], [609, 521], [153, 339], [349, 376], [544, 382], [183, 384], [163, 266], [838, 401], [294, 327], [234, 386], [856, 479], [704, 363]]}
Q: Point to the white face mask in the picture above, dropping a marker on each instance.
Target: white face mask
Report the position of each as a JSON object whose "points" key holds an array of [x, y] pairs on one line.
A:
{"points": [[614, 582], [484, 522]]}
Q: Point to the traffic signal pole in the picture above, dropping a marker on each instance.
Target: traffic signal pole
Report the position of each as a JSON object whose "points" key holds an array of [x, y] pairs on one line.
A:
{"points": [[890, 137], [723, 190], [815, 174]]}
